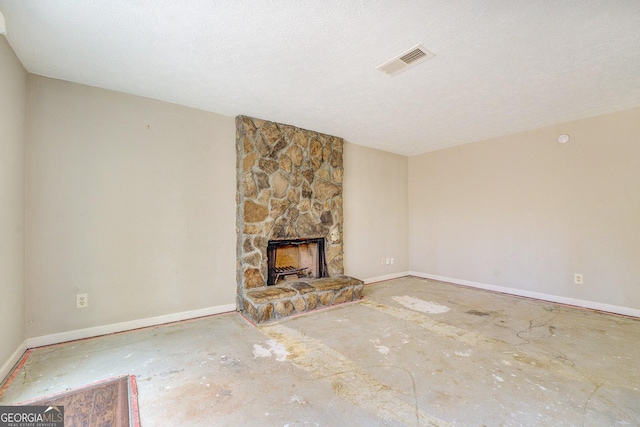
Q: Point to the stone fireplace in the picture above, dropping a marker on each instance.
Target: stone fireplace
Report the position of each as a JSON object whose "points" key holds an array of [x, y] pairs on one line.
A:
{"points": [[289, 194]]}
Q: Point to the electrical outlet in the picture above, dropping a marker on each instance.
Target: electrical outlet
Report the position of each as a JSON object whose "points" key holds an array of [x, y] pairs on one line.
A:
{"points": [[382, 261], [82, 301], [578, 279], [392, 260], [388, 261]]}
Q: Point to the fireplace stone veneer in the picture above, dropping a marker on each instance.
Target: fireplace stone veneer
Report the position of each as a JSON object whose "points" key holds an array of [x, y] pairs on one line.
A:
{"points": [[289, 186], [273, 302]]}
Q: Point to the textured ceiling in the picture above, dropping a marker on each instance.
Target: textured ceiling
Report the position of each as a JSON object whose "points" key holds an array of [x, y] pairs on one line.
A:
{"points": [[501, 66]]}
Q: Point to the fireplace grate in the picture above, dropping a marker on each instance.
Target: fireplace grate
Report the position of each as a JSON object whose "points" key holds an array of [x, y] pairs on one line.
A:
{"points": [[285, 271], [295, 258]]}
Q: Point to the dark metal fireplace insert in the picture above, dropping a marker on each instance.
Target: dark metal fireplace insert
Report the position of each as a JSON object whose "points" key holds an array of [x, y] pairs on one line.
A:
{"points": [[295, 258]]}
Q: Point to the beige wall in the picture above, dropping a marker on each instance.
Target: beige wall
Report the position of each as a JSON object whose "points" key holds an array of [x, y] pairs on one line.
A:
{"points": [[526, 212], [12, 126], [129, 200], [375, 212]]}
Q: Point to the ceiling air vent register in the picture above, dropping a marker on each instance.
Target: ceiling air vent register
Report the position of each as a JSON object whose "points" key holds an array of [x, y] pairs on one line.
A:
{"points": [[405, 60]]}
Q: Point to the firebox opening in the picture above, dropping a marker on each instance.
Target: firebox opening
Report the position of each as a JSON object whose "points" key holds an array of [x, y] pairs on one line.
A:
{"points": [[294, 259]]}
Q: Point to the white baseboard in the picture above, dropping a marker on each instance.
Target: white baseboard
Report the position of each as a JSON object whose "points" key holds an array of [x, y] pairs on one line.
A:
{"points": [[386, 277], [627, 311], [5, 369], [126, 326]]}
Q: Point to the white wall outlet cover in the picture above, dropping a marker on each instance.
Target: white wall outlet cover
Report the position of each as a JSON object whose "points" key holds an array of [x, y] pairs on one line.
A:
{"points": [[82, 301]]}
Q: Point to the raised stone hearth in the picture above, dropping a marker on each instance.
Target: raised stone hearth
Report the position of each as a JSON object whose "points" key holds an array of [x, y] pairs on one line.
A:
{"points": [[289, 187], [288, 298]]}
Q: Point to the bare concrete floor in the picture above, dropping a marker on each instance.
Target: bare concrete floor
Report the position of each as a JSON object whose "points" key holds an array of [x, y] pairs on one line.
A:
{"points": [[416, 352]]}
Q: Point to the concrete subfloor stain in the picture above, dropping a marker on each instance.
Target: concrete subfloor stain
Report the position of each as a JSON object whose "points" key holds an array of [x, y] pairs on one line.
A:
{"points": [[274, 349], [477, 313], [557, 363], [422, 306], [439, 328], [348, 380]]}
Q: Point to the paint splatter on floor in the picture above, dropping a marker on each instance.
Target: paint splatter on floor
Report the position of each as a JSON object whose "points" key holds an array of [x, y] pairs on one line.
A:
{"points": [[273, 349], [382, 349], [260, 351], [421, 305], [299, 399]]}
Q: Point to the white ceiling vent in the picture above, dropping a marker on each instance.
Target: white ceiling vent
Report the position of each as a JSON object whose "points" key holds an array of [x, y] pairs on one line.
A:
{"points": [[407, 59]]}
